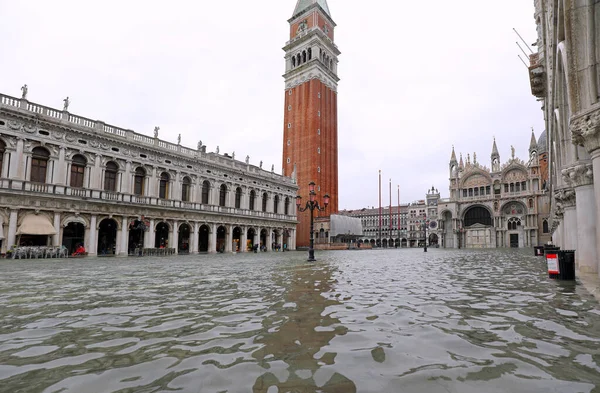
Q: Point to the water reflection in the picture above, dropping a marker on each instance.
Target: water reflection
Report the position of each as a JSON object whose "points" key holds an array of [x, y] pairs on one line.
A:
{"points": [[296, 333], [365, 321]]}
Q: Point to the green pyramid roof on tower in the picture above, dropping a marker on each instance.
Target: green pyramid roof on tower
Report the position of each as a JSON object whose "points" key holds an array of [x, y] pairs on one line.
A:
{"points": [[305, 4]]}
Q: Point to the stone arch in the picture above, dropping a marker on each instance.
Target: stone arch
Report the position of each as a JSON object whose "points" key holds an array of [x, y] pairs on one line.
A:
{"points": [[107, 235], [75, 219], [162, 230], [513, 208], [102, 218], [473, 174], [203, 237], [477, 214], [184, 238]]}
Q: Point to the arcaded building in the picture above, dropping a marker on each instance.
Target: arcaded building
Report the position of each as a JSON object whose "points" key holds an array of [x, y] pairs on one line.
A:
{"points": [[565, 77], [505, 205], [310, 132], [69, 180]]}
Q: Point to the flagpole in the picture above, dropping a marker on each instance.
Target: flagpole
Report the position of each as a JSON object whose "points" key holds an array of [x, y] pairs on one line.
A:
{"points": [[399, 217], [380, 208], [391, 221]]}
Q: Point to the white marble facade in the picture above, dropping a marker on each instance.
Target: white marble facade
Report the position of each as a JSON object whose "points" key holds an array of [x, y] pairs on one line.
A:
{"points": [[68, 180], [564, 76]]}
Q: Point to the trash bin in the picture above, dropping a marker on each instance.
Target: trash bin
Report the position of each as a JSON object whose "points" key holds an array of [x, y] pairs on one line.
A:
{"points": [[551, 253], [566, 265], [538, 251]]}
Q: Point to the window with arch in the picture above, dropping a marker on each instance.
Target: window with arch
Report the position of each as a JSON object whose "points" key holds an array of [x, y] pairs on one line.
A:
{"points": [[238, 198], [110, 176], [293, 61], [304, 56], [205, 191], [264, 202], [276, 204], [252, 200], [309, 53], [222, 195], [163, 188], [77, 170], [531, 203], [298, 59], [139, 181], [513, 224], [2, 151], [39, 164], [186, 186], [287, 206], [545, 228]]}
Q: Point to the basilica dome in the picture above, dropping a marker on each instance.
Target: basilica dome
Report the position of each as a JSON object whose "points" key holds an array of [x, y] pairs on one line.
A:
{"points": [[542, 143]]}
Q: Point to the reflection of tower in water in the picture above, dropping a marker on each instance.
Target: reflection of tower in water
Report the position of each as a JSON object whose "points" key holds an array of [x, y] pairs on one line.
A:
{"points": [[300, 330]]}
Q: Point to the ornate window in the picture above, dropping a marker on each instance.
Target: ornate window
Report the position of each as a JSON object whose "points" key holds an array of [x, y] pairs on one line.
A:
{"points": [[238, 197], [186, 186], [276, 204], [513, 224], [163, 188], [77, 170], [252, 199], [287, 206], [478, 215], [2, 151], [39, 164], [545, 228], [139, 181], [110, 176], [205, 191], [264, 202], [222, 195]]}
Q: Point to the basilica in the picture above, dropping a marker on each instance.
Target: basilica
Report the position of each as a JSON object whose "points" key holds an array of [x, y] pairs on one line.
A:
{"points": [[502, 206], [70, 182]]}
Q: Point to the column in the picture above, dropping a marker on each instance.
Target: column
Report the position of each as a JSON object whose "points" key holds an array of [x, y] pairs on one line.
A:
{"points": [[580, 177], [174, 242], [56, 237], [596, 169], [119, 240], [16, 162], [11, 239], [570, 224], [60, 177], [229, 238], [125, 186], [212, 239], [257, 237], [269, 237], [243, 239], [96, 173], [149, 236], [195, 236], [92, 246], [124, 251]]}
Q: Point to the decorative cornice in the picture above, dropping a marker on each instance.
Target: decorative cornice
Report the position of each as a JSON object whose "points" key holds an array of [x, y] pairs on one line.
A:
{"points": [[578, 175], [585, 129]]}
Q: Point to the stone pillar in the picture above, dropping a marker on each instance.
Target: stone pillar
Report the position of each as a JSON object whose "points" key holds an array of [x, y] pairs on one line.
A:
{"points": [[17, 160], [565, 200], [580, 176], [119, 240], [124, 251], [92, 246], [212, 239], [257, 237], [229, 238], [97, 173], [174, 242], [60, 177], [243, 239], [125, 185], [195, 237], [269, 236], [11, 239], [149, 236], [56, 237]]}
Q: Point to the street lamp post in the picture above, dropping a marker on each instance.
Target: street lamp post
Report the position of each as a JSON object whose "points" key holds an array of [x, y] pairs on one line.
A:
{"points": [[425, 225], [312, 205]]}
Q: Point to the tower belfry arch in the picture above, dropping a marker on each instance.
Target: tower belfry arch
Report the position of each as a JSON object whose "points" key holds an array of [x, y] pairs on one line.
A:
{"points": [[310, 132]]}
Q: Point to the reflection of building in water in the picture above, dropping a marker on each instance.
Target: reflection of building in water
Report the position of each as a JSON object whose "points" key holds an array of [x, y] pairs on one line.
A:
{"points": [[68, 180], [306, 330]]}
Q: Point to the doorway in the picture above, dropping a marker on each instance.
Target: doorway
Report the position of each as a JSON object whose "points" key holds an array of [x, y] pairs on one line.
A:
{"points": [[514, 240]]}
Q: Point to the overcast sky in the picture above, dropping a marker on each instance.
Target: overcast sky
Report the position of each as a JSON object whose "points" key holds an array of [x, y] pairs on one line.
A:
{"points": [[416, 78]]}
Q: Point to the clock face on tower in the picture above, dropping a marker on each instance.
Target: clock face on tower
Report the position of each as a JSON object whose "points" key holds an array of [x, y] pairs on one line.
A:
{"points": [[433, 224]]}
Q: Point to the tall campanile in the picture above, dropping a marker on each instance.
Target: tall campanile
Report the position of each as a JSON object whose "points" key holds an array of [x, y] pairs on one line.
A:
{"points": [[310, 134]]}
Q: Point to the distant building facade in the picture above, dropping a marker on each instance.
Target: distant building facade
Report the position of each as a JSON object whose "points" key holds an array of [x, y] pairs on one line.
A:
{"points": [[565, 77], [505, 206], [310, 132], [68, 180]]}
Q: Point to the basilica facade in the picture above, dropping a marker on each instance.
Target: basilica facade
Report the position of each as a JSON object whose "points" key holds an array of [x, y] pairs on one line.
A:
{"points": [[502, 206], [565, 77], [67, 180]]}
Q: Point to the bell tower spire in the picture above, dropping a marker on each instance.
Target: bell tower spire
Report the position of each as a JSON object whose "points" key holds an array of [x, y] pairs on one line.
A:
{"points": [[495, 158], [310, 130]]}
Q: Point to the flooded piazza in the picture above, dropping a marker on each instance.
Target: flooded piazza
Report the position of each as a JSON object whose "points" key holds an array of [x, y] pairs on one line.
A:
{"points": [[354, 321]]}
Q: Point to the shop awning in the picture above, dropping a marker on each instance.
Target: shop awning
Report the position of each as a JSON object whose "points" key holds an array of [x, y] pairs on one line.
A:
{"points": [[36, 225]]}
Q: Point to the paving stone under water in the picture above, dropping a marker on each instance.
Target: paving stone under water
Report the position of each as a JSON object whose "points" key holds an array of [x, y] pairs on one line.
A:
{"points": [[354, 321]]}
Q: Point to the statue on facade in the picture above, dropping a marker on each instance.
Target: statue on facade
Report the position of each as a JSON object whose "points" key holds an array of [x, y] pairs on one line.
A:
{"points": [[199, 145], [233, 155], [247, 159], [512, 150], [24, 89], [260, 164], [179, 139], [66, 104], [217, 151], [272, 168], [475, 158], [156, 129]]}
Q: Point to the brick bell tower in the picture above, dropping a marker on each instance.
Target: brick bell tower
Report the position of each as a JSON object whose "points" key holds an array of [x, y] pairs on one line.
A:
{"points": [[310, 133]]}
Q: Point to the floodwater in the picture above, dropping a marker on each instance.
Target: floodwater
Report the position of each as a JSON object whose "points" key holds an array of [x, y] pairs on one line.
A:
{"points": [[355, 321]]}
